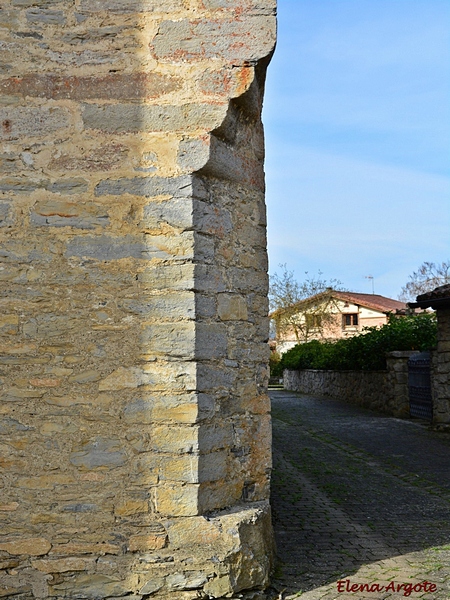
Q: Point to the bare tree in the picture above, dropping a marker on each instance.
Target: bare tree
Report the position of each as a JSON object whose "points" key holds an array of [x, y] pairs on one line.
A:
{"points": [[304, 308], [427, 277]]}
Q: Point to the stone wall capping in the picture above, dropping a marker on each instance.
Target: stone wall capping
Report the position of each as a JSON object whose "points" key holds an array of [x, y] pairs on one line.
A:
{"points": [[402, 353]]}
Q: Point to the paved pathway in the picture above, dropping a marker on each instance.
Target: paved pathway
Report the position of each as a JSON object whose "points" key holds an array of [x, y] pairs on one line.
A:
{"points": [[361, 499]]}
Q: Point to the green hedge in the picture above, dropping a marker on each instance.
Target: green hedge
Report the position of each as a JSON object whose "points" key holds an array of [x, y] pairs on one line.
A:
{"points": [[366, 351]]}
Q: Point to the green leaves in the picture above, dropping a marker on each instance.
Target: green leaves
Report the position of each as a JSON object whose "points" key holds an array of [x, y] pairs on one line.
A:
{"points": [[366, 351]]}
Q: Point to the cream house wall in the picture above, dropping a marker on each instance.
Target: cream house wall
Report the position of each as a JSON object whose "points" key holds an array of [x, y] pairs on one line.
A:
{"points": [[367, 317]]}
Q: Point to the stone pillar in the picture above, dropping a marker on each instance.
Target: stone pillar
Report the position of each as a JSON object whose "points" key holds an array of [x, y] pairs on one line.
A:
{"points": [[440, 376], [397, 382], [134, 426], [439, 300]]}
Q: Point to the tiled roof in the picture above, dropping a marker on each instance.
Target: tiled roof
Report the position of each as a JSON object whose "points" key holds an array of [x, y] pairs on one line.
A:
{"points": [[374, 301], [371, 301], [442, 291], [437, 298]]}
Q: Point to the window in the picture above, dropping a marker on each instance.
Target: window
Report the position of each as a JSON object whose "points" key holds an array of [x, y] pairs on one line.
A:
{"points": [[350, 320]]}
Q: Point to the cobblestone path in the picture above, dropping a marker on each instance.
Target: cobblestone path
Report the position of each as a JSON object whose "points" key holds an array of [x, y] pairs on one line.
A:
{"points": [[361, 499]]}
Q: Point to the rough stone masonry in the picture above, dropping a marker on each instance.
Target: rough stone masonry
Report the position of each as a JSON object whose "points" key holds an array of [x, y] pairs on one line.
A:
{"points": [[134, 425]]}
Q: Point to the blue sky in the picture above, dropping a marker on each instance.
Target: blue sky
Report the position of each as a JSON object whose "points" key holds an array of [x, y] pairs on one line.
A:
{"points": [[357, 121]]}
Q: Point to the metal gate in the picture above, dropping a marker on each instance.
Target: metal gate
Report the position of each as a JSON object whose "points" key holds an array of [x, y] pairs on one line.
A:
{"points": [[419, 386]]}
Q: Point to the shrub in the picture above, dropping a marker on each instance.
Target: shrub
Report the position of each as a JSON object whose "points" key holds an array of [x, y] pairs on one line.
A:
{"points": [[366, 351], [276, 369]]}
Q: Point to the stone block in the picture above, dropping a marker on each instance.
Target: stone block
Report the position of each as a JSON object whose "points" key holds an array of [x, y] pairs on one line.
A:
{"points": [[122, 378], [175, 247], [193, 531], [131, 507], [217, 495], [85, 377], [21, 185], [38, 16], [117, 86], [247, 281], [194, 469], [68, 186], [178, 413], [185, 340], [175, 376], [231, 307], [5, 214], [169, 277], [231, 82], [176, 212], [63, 565], [206, 306], [214, 436], [175, 439], [102, 158], [187, 409], [46, 481], [30, 546], [105, 247], [213, 466], [219, 587], [9, 324], [10, 507], [186, 581], [150, 587], [208, 279], [163, 306], [212, 378], [176, 187], [40, 3], [204, 248], [139, 411], [129, 118], [250, 530], [177, 409], [129, 6], [176, 500], [193, 153], [145, 543], [32, 121], [231, 40], [91, 587], [45, 382], [263, 7], [99, 452], [11, 426], [98, 549], [80, 507]]}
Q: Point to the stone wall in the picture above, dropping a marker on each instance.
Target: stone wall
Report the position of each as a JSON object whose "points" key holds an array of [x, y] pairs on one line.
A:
{"points": [[134, 426], [441, 370], [383, 391]]}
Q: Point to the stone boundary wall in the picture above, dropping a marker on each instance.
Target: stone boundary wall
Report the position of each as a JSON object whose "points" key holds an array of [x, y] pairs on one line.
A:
{"points": [[135, 447], [383, 391]]}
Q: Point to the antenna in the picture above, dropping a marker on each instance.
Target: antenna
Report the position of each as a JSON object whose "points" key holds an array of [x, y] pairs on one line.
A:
{"points": [[370, 277]]}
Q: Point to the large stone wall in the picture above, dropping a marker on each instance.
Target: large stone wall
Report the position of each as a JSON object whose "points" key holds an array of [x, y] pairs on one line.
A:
{"points": [[134, 426]]}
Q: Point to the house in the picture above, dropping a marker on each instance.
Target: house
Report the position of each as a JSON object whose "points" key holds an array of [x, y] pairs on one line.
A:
{"points": [[331, 315]]}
